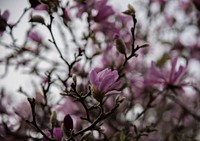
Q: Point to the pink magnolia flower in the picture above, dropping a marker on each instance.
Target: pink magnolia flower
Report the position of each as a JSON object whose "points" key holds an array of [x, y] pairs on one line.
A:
{"points": [[3, 21], [57, 134], [169, 79], [23, 110], [34, 36], [103, 83], [104, 11]]}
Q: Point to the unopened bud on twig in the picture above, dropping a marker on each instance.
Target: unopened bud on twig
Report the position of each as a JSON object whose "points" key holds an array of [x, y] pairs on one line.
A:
{"points": [[120, 45], [130, 11], [67, 125], [37, 19], [53, 119]]}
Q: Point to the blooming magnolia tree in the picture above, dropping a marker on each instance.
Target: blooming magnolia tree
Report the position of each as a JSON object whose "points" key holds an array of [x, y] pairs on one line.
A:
{"points": [[103, 74]]}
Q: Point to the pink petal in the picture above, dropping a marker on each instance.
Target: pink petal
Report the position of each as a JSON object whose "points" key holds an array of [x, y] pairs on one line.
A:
{"points": [[113, 92], [107, 82], [103, 73], [6, 14], [41, 7], [93, 77], [179, 74], [114, 85], [155, 72], [173, 69]]}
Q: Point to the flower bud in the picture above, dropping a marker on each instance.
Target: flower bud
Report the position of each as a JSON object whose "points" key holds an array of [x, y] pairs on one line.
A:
{"points": [[37, 19], [68, 122], [67, 125], [130, 11], [53, 119], [120, 45]]}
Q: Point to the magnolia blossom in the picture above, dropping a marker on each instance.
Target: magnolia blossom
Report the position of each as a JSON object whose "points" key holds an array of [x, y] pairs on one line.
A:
{"points": [[104, 83], [34, 36], [104, 11], [169, 79]]}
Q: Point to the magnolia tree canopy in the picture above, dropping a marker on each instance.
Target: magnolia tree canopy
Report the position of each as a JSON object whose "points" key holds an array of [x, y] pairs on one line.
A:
{"points": [[96, 72]]}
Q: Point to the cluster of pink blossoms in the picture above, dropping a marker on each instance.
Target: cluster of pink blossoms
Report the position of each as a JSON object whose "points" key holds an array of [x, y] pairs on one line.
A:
{"points": [[98, 84], [172, 78]]}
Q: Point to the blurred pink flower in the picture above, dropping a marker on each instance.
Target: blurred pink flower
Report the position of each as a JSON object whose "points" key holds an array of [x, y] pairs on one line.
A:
{"points": [[66, 14], [104, 11], [34, 36], [3, 21], [194, 51], [67, 106], [184, 5], [104, 82], [57, 134], [23, 110], [111, 57], [168, 78], [83, 7], [41, 7]]}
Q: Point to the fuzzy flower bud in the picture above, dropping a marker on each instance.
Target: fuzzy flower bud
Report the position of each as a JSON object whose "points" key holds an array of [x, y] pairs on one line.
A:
{"points": [[67, 125], [68, 122], [120, 45], [37, 19], [53, 118], [130, 11]]}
